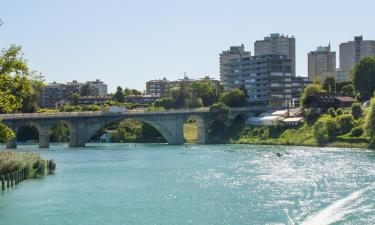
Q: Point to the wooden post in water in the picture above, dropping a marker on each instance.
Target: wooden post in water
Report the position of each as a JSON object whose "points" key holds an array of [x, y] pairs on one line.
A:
{"points": [[12, 179], [2, 182], [8, 180], [15, 178]]}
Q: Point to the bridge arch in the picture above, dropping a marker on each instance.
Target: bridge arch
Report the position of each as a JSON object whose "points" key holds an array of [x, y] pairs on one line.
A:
{"points": [[202, 127], [170, 129]]}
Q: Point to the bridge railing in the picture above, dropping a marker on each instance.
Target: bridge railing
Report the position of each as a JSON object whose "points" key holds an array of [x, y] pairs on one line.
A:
{"points": [[96, 113]]}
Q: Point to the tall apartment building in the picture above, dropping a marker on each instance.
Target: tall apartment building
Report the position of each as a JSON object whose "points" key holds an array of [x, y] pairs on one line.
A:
{"points": [[230, 74], [321, 63], [268, 79], [277, 44], [352, 52]]}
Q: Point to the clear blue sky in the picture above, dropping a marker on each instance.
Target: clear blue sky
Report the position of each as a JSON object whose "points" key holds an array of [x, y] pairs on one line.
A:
{"points": [[129, 42]]}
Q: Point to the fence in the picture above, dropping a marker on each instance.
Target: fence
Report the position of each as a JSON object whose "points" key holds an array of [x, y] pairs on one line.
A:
{"points": [[12, 179]]}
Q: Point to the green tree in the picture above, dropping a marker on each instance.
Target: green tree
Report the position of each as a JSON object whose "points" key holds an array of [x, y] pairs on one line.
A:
{"points": [[326, 129], [219, 121], [331, 111], [74, 99], [329, 85], [204, 91], [132, 92], [166, 102], [59, 133], [194, 102], [84, 90], [356, 110], [349, 90], [234, 98], [320, 133], [364, 77], [19, 86], [310, 90], [119, 95], [370, 123], [346, 123]]}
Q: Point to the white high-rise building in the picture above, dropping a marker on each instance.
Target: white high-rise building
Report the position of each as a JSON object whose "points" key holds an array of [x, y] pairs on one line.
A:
{"points": [[352, 52], [321, 63], [279, 45]]}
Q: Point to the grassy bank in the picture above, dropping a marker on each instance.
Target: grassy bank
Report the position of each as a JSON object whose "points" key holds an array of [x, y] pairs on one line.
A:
{"points": [[11, 162], [302, 136]]}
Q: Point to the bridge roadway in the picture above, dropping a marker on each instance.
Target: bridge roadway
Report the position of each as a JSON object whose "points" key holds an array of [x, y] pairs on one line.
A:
{"points": [[83, 125]]}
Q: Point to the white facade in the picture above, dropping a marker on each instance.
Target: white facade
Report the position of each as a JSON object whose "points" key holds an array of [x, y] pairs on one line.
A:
{"points": [[352, 52], [321, 63]]}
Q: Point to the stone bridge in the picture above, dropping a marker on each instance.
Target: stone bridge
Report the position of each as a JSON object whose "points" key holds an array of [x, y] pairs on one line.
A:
{"points": [[83, 125]]}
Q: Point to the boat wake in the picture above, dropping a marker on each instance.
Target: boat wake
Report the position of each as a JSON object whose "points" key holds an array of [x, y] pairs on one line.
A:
{"points": [[339, 209]]}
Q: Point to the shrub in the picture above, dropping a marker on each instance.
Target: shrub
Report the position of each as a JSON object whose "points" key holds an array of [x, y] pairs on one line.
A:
{"points": [[51, 166], [40, 168], [331, 111], [349, 139], [326, 129], [320, 133], [234, 98], [356, 132], [346, 122], [311, 115], [356, 110]]}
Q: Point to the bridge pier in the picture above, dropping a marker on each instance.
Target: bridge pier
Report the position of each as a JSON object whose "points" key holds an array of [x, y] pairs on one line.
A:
{"points": [[43, 136], [77, 136], [202, 131], [11, 144]]}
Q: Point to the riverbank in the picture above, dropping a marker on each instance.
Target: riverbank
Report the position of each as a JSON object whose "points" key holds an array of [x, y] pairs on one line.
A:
{"points": [[30, 163], [302, 136]]}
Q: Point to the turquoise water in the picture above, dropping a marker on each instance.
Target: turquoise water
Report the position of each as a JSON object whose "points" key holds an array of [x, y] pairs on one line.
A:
{"points": [[218, 184]]}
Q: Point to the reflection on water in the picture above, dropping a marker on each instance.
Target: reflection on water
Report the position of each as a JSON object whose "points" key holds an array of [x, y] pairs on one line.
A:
{"points": [[216, 184]]}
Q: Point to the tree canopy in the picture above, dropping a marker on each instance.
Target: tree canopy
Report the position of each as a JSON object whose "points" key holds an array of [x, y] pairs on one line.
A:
{"points": [[119, 95], [311, 89], [234, 98], [364, 77]]}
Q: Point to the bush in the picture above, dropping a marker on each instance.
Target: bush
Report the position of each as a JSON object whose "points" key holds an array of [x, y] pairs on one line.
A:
{"points": [[40, 168], [166, 102], [51, 166], [311, 115], [11, 162], [194, 102], [349, 139], [320, 133], [331, 111], [326, 129], [356, 110], [346, 122], [234, 98], [339, 112], [356, 132]]}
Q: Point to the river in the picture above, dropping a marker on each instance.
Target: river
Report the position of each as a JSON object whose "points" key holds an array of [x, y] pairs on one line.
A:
{"points": [[113, 184]]}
